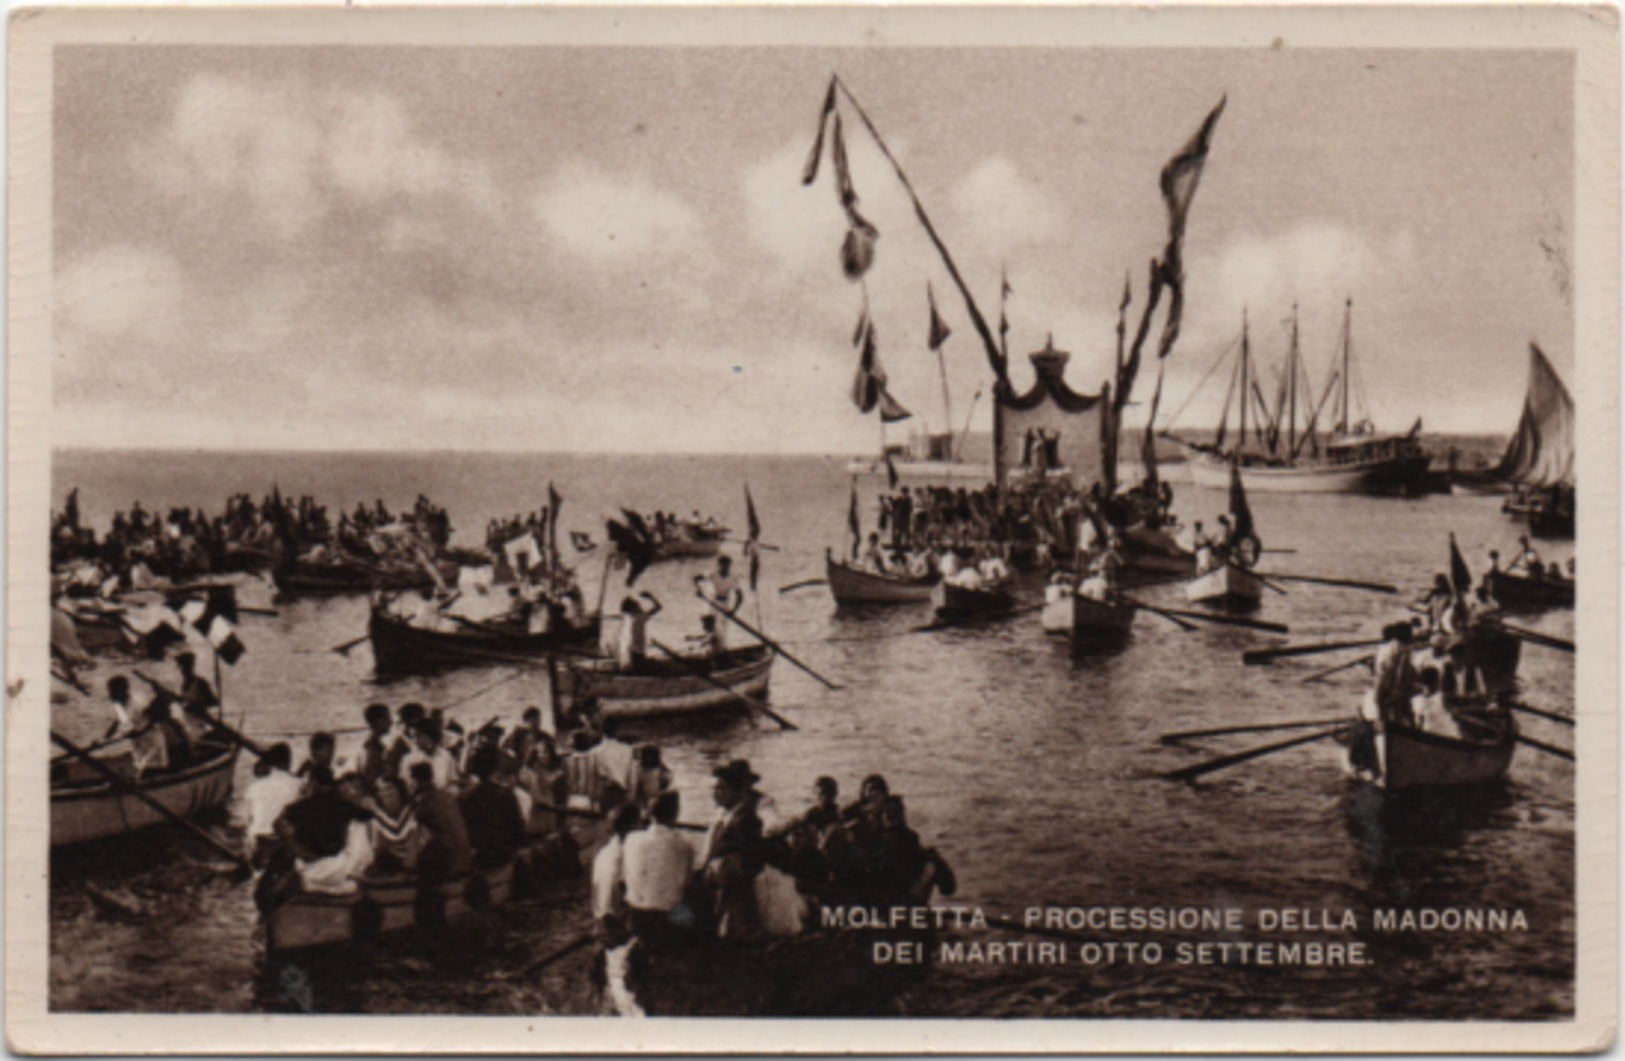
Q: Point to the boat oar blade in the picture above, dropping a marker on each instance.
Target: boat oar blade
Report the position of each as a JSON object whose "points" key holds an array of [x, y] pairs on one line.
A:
{"points": [[1342, 583], [1561, 753], [1549, 715], [1535, 637], [344, 649], [1191, 773], [1329, 671], [1222, 620], [803, 584], [1262, 727], [1257, 656]]}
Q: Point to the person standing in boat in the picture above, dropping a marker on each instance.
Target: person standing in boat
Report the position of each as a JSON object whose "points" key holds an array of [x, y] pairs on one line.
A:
{"points": [[734, 855], [632, 644], [372, 761], [490, 813], [271, 792], [721, 589], [707, 644], [1394, 674], [609, 878]]}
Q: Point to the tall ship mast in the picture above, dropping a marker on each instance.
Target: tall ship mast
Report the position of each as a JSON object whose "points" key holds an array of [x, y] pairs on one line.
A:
{"points": [[1281, 447]]}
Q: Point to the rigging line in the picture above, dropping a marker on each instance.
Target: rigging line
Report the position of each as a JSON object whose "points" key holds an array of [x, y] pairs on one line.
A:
{"points": [[1203, 383]]}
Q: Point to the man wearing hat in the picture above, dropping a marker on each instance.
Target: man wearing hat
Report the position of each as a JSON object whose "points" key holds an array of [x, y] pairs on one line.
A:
{"points": [[733, 851]]}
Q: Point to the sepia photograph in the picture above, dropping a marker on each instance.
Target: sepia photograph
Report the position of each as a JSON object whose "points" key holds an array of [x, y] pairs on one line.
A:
{"points": [[903, 517]]}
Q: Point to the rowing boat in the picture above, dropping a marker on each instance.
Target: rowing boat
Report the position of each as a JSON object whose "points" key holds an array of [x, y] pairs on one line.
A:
{"points": [[398, 647], [1095, 621], [690, 540], [304, 577], [1479, 752], [394, 903], [1522, 592], [1226, 586], [962, 602], [853, 585], [84, 806], [669, 686]]}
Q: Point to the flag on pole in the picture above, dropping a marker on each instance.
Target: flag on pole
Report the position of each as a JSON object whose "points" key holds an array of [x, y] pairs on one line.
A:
{"points": [[809, 172], [1461, 579], [869, 385], [554, 503], [1179, 181], [852, 521], [753, 535], [939, 330], [222, 637]]}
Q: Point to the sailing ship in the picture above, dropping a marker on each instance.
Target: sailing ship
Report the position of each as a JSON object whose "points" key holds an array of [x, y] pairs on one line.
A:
{"points": [[1539, 460], [1275, 456]]}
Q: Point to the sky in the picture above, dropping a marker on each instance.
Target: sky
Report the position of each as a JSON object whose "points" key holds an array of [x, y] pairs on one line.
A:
{"points": [[609, 249]]}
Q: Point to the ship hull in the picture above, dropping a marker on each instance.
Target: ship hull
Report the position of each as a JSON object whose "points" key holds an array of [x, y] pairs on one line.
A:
{"points": [[1385, 475]]}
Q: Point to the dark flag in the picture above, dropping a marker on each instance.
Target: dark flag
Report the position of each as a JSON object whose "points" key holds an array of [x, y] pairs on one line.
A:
{"points": [[637, 524], [1241, 515], [554, 503], [1179, 181], [222, 635], [809, 172], [634, 545], [858, 249], [1005, 291], [939, 330], [582, 542], [1461, 579], [852, 521], [753, 536], [70, 514], [869, 385]]}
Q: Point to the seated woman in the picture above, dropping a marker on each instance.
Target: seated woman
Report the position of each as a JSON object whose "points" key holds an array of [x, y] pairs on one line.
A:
{"points": [[397, 839]]}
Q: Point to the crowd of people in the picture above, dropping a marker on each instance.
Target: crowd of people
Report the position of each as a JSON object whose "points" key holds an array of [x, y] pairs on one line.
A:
{"points": [[158, 726]]}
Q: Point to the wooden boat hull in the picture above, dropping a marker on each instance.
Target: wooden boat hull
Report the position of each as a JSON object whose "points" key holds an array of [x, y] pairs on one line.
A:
{"points": [[1381, 475], [853, 585], [1226, 587], [622, 694], [379, 906], [1462, 487], [922, 470], [1518, 591], [960, 602], [1412, 759], [1154, 556], [400, 648], [1097, 620], [88, 808], [315, 579]]}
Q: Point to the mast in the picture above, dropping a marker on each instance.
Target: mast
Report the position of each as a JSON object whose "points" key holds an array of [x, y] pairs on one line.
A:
{"points": [[947, 404], [1242, 445], [1292, 387], [1343, 418]]}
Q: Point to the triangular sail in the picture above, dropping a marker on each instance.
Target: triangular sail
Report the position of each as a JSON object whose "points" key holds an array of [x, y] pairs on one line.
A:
{"points": [[1541, 453]]}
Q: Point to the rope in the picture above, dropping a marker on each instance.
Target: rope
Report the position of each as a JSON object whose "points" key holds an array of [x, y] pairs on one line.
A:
{"points": [[1199, 386]]}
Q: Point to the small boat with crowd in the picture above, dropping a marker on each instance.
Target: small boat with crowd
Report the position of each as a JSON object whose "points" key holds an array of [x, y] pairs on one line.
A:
{"points": [[851, 584], [955, 602], [1226, 586], [400, 646], [323, 577], [86, 805], [687, 539], [1516, 592], [1473, 745]]}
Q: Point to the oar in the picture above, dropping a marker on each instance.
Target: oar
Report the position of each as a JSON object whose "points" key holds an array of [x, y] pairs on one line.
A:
{"points": [[748, 700], [1191, 734], [1256, 574], [541, 963], [127, 788], [1534, 637], [780, 649], [246, 610], [1254, 657], [1346, 583], [1547, 748], [1223, 620], [1563, 719], [1176, 620], [1329, 671], [803, 584], [1289, 552], [344, 649], [1190, 773]]}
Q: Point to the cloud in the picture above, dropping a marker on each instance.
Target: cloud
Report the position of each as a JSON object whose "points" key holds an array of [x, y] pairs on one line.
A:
{"points": [[1316, 264], [119, 292], [292, 153], [1002, 206], [613, 220]]}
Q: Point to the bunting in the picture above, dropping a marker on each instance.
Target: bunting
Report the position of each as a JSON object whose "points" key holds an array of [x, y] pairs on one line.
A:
{"points": [[1179, 181], [869, 385], [858, 248]]}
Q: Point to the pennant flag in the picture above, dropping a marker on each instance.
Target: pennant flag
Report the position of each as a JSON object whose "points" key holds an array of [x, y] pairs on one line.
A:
{"points": [[222, 635], [939, 330], [635, 521], [582, 542], [633, 544], [809, 172], [1179, 181], [852, 521], [753, 532], [1241, 514], [869, 385], [1461, 579]]}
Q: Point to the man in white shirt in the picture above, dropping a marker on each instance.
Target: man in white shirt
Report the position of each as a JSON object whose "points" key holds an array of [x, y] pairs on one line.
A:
{"points": [[614, 762], [608, 878], [657, 864], [274, 787]]}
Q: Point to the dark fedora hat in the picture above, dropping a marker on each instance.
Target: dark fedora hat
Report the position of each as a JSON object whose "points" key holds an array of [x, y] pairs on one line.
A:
{"points": [[737, 773]]}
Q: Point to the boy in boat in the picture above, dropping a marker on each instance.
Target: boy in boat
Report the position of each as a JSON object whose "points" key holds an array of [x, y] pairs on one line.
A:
{"points": [[271, 792], [323, 748], [632, 646], [402, 746], [873, 558], [707, 644], [429, 752], [490, 813], [721, 589], [372, 762]]}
